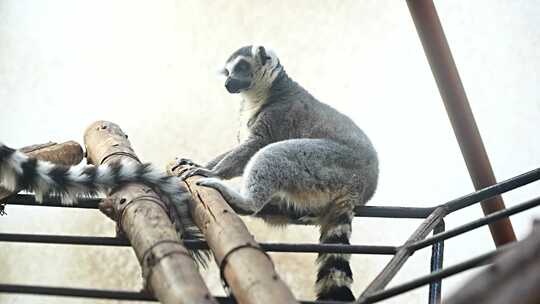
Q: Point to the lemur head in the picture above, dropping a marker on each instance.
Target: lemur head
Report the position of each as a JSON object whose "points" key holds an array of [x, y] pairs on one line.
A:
{"points": [[251, 69]]}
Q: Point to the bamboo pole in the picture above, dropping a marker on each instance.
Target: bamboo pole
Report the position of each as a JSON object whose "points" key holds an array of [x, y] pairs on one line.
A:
{"points": [[168, 269], [68, 154], [247, 269]]}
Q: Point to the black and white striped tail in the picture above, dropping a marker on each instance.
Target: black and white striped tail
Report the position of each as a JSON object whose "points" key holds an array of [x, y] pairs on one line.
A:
{"points": [[334, 277], [18, 171]]}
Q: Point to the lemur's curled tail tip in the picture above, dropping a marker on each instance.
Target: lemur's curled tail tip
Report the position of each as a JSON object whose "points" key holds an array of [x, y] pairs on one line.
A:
{"points": [[20, 172]]}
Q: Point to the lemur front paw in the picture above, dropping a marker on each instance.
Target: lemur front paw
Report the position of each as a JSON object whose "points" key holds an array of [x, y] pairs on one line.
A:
{"points": [[210, 183], [229, 194], [216, 184], [197, 171], [179, 161]]}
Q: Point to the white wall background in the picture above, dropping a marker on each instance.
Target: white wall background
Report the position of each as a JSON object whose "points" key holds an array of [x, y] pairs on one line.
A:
{"points": [[150, 67]]}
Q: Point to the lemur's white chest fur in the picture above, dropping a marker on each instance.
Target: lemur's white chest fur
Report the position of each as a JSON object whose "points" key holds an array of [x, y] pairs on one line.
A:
{"points": [[252, 101], [257, 95]]}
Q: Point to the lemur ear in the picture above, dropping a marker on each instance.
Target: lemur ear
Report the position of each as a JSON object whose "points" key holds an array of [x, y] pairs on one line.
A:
{"points": [[261, 52]]}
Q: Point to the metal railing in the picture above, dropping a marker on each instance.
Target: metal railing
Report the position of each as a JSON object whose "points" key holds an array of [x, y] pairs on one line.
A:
{"points": [[375, 292]]}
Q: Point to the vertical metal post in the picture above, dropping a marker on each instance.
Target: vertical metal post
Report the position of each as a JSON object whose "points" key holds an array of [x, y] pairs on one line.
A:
{"points": [[437, 255], [459, 111], [402, 255]]}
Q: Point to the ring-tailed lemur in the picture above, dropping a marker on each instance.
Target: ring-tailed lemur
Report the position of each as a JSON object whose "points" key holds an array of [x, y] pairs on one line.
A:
{"points": [[299, 154], [18, 171]]}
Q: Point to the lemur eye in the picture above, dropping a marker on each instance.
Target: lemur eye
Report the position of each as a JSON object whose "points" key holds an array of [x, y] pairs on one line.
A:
{"points": [[242, 66]]}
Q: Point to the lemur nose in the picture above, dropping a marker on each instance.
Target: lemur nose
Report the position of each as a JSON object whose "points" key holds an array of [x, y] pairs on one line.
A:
{"points": [[234, 85]]}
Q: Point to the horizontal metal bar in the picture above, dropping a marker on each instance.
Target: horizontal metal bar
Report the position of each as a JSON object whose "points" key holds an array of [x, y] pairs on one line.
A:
{"points": [[76, 292], [375, 297], [329, 248], [475, 224], [393, 212], [434, 276], [105, 294], [63, 239], [491, 191], [52, 201], [364, 211], [360, 211], [193, 244]]}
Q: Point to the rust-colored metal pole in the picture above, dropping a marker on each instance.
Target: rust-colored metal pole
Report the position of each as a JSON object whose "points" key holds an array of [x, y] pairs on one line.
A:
{"points": [[446, 75]]}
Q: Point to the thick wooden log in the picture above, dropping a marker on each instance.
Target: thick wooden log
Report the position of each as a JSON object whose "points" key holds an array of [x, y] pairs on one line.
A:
{"points": [[246, 268], [68, 154], [168, 269], [514, 276]]}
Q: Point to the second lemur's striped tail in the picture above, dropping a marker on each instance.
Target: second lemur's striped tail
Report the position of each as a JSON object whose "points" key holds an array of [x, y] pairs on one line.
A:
{"points": [[19, 172], [334, 277]]}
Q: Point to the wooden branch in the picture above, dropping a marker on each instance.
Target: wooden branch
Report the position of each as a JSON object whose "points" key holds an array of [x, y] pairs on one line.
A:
{"points": [[68, 154], [247, 269], [514, 276], [168, 269]]}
